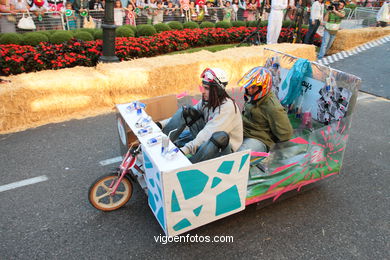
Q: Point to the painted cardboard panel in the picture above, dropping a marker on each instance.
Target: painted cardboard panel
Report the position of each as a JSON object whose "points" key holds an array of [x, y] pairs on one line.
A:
{"points": [[204, 192]]}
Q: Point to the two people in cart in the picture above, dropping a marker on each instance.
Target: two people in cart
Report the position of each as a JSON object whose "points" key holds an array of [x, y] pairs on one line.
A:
{"points": [[215, 126]]}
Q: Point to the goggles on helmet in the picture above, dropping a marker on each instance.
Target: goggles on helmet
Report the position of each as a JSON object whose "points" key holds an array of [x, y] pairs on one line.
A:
{"points": [[208, 77]]}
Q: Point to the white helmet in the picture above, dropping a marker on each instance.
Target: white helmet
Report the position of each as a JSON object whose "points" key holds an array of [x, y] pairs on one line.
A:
{"points": [[215, 75]]}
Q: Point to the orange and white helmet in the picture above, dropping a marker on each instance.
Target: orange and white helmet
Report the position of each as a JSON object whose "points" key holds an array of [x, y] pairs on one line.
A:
{"points": [[257, 77]]}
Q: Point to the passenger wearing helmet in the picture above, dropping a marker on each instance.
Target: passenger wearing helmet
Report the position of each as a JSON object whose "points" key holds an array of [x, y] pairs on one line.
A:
{"points": [[264, 118], [215, 123]]}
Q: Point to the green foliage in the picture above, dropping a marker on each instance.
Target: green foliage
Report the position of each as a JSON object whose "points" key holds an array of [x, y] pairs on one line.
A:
{"points": [[88, 30], [60, 37], [124, 32], [98, 35], [10, 38], [351, 6], [132, 27], [175, 25], [190, 25], [47, 33], [34, 38], [207, 25], [251, 23], [287, 23], [264, 23], [238, 23], [161, 27], [83, 35], [146, 30], [223, 24], [305, 26]]}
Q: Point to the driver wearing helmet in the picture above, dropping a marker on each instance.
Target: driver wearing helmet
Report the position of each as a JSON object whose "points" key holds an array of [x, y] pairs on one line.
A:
{"points": [[214, 123], [264, 118]]}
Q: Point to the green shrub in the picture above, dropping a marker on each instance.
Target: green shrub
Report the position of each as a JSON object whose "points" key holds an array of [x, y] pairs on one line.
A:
{"points": [[161, 27], [287, 23], [51, 31], [98, 35], [124, 32], [47, 33], [85, 36], [264, 23], [223, 24], [238, 23], [207, 25], [60, 37], [251, 23], [175, 25], [146, 30], [34, 38], [132, 27], [304, 26], [88, 30], [10, 38], [190, 25]]}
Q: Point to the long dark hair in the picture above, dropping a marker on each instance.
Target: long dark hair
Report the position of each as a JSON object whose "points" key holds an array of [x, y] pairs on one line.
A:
{"points": [[217, 96]]}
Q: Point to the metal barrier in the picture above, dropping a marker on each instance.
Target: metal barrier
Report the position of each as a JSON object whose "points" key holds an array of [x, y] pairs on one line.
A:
{"points": [[49, 21], [59, 21], [363, 17]]}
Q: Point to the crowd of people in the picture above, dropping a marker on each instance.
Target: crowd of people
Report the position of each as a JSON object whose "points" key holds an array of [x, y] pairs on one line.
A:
{"points": [[47, 14]]}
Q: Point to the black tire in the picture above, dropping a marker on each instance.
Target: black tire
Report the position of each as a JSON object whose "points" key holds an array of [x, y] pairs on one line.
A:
{"points": [[99, 193]]}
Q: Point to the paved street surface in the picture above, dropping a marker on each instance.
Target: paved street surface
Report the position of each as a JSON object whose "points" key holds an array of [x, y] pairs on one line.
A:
{"points": [[372, 66], [344, 217]]}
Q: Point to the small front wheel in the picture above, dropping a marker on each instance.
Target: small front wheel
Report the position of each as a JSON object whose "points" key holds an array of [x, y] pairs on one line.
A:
{"points": [[99, 193]]}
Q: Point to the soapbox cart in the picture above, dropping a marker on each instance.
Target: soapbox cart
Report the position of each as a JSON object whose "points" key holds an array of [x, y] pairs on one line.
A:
{"points": [[184, 196]]}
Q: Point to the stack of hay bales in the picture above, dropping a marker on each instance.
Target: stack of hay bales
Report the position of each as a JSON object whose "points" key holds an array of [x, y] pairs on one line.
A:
{"points": [[349, 39], [38, 98]]}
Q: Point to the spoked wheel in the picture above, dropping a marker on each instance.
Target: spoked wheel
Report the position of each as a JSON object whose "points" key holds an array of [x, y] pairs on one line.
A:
{"points": [[99, 193]]}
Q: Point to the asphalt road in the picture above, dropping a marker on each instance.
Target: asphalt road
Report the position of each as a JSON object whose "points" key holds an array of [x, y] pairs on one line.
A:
{"points": [[372, 66], [344, 217]]}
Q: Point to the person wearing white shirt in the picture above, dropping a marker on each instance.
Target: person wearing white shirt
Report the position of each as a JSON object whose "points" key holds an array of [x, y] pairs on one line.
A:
{"points": [[383, 16], [275, 19], [316, 18]]}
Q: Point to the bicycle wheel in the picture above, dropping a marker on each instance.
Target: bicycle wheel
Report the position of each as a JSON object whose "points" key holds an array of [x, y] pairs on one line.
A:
{"points": [[99, 193]]}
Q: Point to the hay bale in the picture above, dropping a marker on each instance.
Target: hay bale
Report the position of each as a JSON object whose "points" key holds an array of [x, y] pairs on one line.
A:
{"points": [[39, 98], [349, 39]]}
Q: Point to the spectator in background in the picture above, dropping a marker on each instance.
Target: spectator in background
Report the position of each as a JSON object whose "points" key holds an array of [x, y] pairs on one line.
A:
{"points": [[316, 18], [333, 20], [150, 7], [119, 13], [124, 2], [235, 9], [20, 6], [241, 9], [201, 5], [7, 24], [275, 19], [56, 7], [170, 12], [79, 6], [39, 8], [252, 10], [383, 16], [130, 14], [72, 19], [158, 14], [96, 5], [228, 12], [185, 8]]}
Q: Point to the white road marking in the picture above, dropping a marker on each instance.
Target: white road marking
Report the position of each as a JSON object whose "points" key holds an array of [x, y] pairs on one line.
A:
{"points": [[110, 161], [26, 182]]}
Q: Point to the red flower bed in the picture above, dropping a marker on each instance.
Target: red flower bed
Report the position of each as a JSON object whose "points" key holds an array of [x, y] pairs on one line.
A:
{"points": [[15, 59]]}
